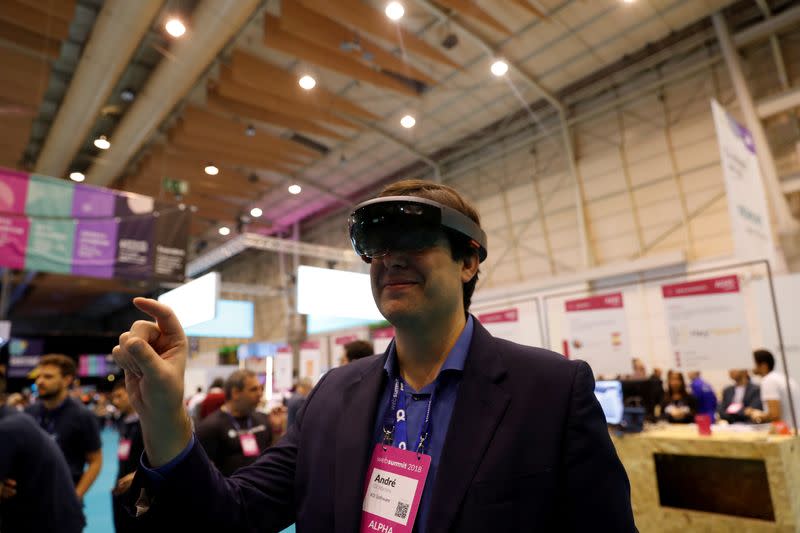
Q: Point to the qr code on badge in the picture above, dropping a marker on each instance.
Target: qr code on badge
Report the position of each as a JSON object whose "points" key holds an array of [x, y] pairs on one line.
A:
{"points": [[402, 510]]}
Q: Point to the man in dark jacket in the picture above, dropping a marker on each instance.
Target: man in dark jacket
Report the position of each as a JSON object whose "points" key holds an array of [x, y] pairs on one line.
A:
{"points": [[738, 397]]}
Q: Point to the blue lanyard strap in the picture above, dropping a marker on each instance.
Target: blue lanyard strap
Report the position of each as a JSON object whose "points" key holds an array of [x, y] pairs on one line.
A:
{"points": [[395, 429], [236, 424]]}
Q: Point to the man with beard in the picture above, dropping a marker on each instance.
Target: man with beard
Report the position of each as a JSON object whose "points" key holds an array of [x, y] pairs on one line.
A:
{"points": [[71, 425]]}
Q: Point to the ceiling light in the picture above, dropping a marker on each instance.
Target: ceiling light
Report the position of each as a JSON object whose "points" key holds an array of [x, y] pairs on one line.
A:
{"points": [[295, 189], [250, 130], [256, 212], [211, 170], [394, 10], [175, 27], [499, 68], [127, 95], [628, 1], [102, 143], [224, 231], [77, 176], [307, 82], [408, 121]]}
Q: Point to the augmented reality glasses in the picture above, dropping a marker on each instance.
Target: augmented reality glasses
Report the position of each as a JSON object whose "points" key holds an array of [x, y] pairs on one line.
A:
{"points": [[408, 223]]}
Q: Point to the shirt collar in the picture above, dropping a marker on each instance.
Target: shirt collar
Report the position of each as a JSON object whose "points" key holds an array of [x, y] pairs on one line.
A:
{"points": [[455, 359]]}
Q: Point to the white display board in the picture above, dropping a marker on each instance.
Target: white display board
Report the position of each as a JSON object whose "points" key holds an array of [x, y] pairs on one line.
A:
{"points": [[518, 323], [283, 367], [597, 332], [381, 338], [747, 204], [311, 360], [706, 324], [787, 298]]}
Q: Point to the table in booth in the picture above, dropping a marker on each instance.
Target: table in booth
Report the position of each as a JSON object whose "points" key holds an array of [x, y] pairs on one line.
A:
{"points": [[743, 481]]}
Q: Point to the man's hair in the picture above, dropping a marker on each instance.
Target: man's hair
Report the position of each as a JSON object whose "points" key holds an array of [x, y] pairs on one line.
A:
{"points": [[236, 381], [459, 245], [764, 357], [358, 350], [65, 364], [218, 383]]}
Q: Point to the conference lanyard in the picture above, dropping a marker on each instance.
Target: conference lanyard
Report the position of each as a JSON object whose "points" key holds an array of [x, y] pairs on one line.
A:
{"points": [[395, 428], [236, 424]]}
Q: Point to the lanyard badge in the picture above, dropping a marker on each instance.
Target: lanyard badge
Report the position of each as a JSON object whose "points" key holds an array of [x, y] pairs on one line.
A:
{"points": [[396, 476]]}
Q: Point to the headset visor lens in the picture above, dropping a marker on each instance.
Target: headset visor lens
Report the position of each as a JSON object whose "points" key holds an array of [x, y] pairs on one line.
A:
{"points": [[377, 229]]}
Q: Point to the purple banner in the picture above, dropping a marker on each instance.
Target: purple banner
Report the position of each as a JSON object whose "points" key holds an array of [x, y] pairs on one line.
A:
{"points": [[135, 247], [13, 191], [95, 248], [13, 241], [92, 202]]}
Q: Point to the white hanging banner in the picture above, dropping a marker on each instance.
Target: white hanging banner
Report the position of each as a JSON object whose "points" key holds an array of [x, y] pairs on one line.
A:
{"points": [[311, 360], [747, 203], [519, 324], [381, 338], [283, 369], [597, 330], [707, 325]]}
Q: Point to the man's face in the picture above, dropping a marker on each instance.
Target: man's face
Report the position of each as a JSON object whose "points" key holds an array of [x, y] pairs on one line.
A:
{"points": [[427, 284], [247, 399], [761, 369], [119, 397], [50, 382]]}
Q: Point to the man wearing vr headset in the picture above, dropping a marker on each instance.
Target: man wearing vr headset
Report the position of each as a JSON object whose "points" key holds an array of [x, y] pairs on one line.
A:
{"points": [[450, 430]]}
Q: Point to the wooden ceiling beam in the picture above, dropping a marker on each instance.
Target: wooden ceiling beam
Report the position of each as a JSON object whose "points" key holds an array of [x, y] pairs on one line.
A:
{"points": [[259, 74], [225, 182], [12, 92], [204, 120], [222, 158], [62, 9], [277, 39], [312, 26], [230, 89], [524, 4], [193, 155], [469, 9], [368, 19], [32, 20], [31, 40], [31, 69], [197, 137], [225, 106]]}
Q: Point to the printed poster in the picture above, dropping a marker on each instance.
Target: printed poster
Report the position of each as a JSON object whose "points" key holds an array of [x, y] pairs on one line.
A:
{"points": [[597, 332]]}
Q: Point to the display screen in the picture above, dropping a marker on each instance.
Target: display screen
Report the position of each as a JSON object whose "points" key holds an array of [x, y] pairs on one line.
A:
{"points": [[609, 394], [194, 302], [234, 319]]}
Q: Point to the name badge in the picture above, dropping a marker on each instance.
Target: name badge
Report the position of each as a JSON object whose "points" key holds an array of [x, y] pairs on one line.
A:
{"points": [[249, 444], [734, 408], [124, 449], [394, 489]]}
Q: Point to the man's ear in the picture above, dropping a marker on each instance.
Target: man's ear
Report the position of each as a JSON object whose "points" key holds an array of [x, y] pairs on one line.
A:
{"points": [[469, 267]]}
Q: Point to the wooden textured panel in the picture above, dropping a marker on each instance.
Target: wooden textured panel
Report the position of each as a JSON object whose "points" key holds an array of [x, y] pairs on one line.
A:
{"points": [[261, 75], [33, 20], [277, 39], [527, 6], [48, 47], [469, 9], [247, 95], [62, 9], [225, 106], [233, 132], [357, 14], [223, 157], [312, 26]]}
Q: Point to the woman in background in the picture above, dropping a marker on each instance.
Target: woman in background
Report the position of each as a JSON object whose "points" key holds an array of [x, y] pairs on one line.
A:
{"points": [[679, 406]]}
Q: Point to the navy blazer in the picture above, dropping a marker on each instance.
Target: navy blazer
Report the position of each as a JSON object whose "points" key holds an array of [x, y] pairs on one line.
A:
{"points": [[527, 450], [752, 398]]}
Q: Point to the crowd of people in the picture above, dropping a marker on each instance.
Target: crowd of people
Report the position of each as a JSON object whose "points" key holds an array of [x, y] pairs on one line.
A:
{"points": [[51, 447]]}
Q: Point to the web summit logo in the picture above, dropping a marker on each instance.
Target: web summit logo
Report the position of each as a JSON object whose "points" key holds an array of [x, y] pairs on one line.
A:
{"points": [[726, 284]]}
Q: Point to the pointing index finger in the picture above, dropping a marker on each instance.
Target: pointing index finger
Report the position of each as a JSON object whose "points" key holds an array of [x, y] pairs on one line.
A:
{"points": [[165, 317]]}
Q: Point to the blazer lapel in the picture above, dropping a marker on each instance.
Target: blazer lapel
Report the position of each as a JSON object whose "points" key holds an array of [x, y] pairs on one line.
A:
{"points": [[354, 445], [479, 407]]}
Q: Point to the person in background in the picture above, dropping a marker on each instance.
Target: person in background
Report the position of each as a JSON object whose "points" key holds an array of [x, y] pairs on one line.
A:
{"points": [[70, 424], [639, 370], [679, 406], [129, 451], [213, 400], [298, 398], [355, 350], [704, 394], [775, 398], [236, 434], [36, 490], [738, 397]]}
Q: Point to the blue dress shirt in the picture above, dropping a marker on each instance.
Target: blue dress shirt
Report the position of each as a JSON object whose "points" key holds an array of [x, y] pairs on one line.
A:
{"points": [[446, 385]]}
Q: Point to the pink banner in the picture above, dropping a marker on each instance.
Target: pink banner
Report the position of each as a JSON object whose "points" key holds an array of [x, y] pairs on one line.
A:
{"points": [[13, 191], [506, 315], [13, 241], [697, 288], [383, 333], [310, 345], [603, 301], [344, 339]]}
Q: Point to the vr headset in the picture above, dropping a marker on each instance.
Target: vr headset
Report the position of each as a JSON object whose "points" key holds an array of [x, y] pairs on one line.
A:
{"points": [[408, 223]]}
